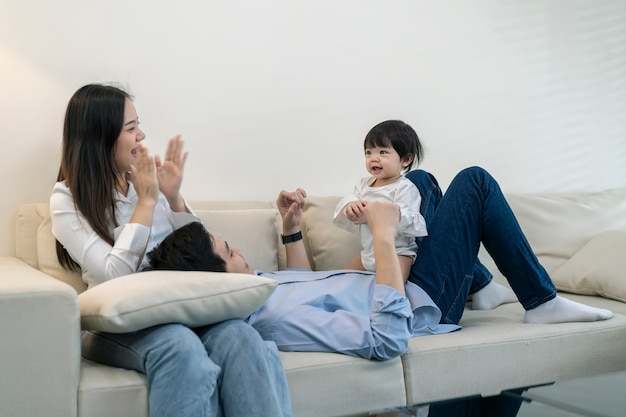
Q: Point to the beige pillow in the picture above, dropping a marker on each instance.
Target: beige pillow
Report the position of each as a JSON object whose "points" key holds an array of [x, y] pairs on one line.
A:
{"points": [[329, 246], [558, 225], [598, 268], [254, 231], [144, 299], [48, 262]]}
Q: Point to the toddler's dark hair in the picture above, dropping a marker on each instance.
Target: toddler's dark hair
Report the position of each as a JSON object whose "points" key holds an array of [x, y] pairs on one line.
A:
{"points": [[401, 137]]}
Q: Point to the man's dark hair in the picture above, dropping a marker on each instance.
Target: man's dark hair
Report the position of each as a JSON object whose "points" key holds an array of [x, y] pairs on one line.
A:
{"points": [[189, 248]]}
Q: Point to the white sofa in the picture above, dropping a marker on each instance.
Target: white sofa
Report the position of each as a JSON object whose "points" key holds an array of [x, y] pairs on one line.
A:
{"points": [[42, 373]]}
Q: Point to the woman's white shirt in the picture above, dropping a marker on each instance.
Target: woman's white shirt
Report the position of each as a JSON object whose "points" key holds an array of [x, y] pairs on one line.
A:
{"points": [[99, 260]]}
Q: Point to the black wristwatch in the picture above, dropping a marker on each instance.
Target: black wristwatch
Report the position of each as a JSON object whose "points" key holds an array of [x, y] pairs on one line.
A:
{"points": [[291, 238]]}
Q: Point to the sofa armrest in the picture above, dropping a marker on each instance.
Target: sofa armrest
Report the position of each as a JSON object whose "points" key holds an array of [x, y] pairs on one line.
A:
{"points": [[40, 347]]}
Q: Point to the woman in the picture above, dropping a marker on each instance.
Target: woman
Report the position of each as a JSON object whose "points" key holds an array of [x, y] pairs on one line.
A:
{"points": [[113, 203]]}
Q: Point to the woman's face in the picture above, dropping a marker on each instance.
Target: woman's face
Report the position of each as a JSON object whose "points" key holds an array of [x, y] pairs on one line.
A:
{"points": [[130, 136]]}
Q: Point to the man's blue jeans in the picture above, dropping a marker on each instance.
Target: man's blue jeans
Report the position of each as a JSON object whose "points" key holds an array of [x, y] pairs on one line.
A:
{"points": [[223, 369], [472, 211]]}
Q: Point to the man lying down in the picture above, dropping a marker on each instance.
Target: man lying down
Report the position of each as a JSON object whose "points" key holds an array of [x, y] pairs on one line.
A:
{"points": [[357, 313]]}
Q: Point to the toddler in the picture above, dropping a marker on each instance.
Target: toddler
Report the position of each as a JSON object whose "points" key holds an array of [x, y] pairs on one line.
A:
{"points": [[392, 149]]}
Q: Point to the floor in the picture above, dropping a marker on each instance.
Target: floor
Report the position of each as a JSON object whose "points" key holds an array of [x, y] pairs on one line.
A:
{"points": [[601, 396]]}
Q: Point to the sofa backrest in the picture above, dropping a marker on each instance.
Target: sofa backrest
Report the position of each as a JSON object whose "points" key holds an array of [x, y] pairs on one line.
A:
{"points": [[36, 245], [253, 226], [556, 225], [328, 246], [559, 225]]}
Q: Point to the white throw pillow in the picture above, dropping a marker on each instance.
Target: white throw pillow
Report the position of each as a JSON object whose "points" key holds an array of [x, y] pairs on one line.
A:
{"points": [[144, 299], [598, 268]]}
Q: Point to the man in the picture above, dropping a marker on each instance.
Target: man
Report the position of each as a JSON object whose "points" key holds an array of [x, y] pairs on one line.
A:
{"points": [[357, 313]]}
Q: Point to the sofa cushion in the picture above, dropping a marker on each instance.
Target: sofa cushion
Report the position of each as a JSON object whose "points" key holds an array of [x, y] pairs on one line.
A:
{"points": [[559, 225], [496, 350], [254, 231], [333, 384], [48, 262], [598, 268], [145, 299], [250, 228], [106, 391], [329, 246]]}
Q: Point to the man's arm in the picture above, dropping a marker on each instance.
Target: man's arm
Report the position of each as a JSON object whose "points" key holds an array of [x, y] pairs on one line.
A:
{"points": [[290, 206], [383, 220], [296, 254]]}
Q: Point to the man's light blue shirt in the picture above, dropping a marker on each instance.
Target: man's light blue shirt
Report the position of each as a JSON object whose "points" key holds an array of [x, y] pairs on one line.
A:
{"points": [[344, 311]]}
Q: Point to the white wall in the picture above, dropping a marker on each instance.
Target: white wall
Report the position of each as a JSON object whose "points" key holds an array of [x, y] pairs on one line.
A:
{"points": [[277, 93]]}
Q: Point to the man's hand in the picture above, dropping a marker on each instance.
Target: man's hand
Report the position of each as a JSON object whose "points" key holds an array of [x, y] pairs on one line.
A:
{"points": [[290, 206], [383, 219]]}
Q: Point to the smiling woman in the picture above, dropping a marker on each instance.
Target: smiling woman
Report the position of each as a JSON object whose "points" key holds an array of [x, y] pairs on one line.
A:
{"points": [[126, 144], [112, 203]]}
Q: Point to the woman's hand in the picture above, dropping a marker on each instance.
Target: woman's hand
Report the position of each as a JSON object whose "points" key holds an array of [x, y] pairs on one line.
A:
{"points": [[143, 175], [290, 206], [170, 173]]}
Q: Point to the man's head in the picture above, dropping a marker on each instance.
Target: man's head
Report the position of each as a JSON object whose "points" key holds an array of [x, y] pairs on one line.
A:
{"points": [[193, 248]]}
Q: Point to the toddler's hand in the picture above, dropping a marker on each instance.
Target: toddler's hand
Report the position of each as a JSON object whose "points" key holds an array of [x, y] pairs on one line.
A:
{"points": [[355, 212]]}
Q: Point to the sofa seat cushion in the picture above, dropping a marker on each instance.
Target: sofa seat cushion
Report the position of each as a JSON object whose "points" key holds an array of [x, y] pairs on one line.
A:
{"points": [[495, 350], [105, 391], [321, 384], [332, 384]]}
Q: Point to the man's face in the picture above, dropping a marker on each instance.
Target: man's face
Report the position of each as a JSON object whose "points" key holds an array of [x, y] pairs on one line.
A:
{"points": [[235, 261]]}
